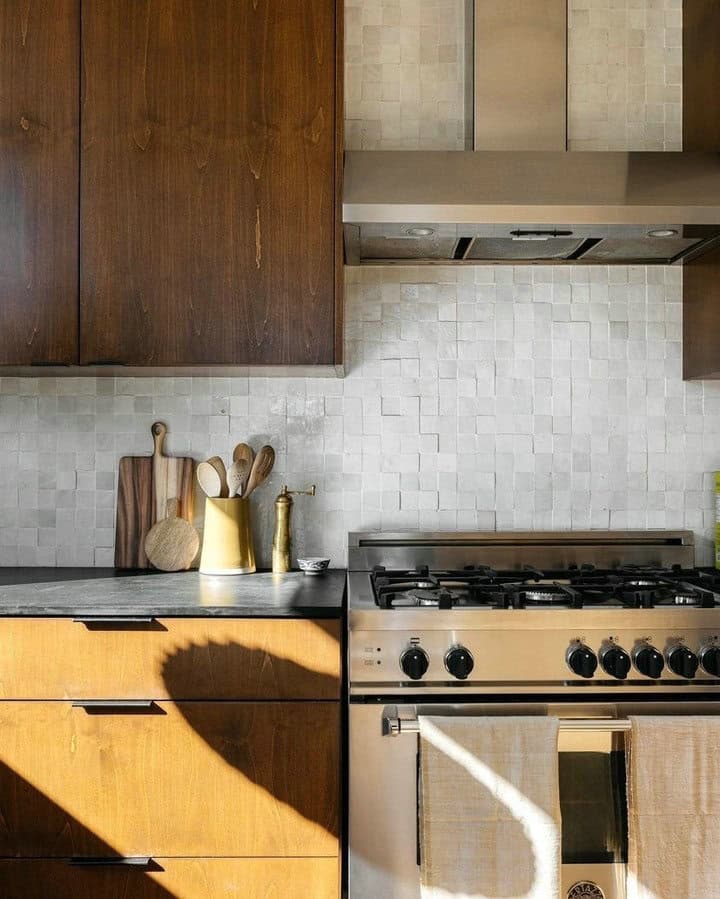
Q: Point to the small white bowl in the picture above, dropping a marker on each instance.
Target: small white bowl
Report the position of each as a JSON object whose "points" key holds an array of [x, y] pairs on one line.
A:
{"points": [[314, 565]]}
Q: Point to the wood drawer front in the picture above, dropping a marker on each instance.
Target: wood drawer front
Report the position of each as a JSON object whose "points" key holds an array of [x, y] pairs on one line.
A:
{"points": [[172, 658], [193, 779], [177, 878]]}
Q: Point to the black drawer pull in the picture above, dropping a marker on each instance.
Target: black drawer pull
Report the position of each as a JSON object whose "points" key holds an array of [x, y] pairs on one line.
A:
{"points": [[98, 363], [110, 862], [44, 363], [119, 706], [125, 623]]}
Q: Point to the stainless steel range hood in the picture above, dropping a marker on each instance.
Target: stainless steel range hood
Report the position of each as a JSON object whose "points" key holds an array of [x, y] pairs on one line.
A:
{"points": [[508, 207]]}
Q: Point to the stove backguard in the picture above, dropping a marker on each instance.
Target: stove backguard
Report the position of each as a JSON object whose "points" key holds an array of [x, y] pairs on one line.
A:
{"points": [[515, 549]]}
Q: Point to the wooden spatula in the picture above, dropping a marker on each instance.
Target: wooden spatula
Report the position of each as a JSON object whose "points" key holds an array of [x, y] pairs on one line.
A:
{"points": [[219, 466], [262, 466], [237, 476], [209, 480], [244, 452]]}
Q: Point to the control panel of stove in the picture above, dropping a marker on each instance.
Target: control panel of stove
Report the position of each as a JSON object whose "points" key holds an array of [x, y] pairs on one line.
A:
{"points": [[485, 656]]}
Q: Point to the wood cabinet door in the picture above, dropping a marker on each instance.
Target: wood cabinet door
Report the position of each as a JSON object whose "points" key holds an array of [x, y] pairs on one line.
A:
{"points": [[176, 780], [701, 317], [173, 878], [208, 182], [39, 111], [169, 658]]}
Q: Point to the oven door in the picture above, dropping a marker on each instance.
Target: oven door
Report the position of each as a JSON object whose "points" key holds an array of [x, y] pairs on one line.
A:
{"points": [[384, 849]]}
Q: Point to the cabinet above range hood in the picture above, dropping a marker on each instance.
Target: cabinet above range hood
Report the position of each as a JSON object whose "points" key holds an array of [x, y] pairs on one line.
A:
{"points": [[510, 207]]}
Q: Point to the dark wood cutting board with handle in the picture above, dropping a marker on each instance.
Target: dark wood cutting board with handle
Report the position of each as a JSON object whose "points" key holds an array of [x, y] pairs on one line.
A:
{"points": [[145, 484]]}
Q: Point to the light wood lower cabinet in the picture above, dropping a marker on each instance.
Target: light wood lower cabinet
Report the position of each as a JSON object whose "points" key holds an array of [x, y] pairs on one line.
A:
{"points": [[170, 658], [176, 878], [178, 779], [210, 746]]}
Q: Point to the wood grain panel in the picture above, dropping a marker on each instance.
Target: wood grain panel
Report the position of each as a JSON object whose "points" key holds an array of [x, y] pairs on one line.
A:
{"points": [[200, 779], [208, 187], [181, 658], [339, 181], [39, 96], [182, 878], [701, 75], [134, 516], [701, 317]]}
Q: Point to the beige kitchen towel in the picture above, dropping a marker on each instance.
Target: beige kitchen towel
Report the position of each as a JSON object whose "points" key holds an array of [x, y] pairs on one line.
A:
{"points": [[490, 808], [673, 767]]}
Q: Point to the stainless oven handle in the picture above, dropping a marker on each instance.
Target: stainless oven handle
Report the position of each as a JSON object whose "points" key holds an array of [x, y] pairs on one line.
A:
{"points": [[394, 726]]}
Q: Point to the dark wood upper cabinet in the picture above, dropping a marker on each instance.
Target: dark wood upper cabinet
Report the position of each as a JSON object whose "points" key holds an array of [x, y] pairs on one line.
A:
{"points": [[701, 317], [701, 73], [208, 182], [39, 100]]}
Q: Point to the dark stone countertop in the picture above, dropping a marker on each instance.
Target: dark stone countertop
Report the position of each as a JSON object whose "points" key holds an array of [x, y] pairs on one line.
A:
{"points": [[106, 593]]}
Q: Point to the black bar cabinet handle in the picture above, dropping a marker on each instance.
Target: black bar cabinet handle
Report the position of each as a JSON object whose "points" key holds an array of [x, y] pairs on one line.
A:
{"points": [[117, 706], [98, 363], [121, 623], [46, 363], [126, 862]]}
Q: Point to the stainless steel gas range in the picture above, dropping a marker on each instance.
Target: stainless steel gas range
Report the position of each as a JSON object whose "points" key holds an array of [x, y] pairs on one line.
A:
{"points": [[590, 627]]}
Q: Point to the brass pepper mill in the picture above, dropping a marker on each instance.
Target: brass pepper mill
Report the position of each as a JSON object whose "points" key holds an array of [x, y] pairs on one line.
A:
{"points": [[282, 541]]}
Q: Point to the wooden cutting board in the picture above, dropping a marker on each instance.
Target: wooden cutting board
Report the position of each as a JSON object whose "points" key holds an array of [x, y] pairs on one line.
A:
{"points": [[145, 484], [172, 544]]}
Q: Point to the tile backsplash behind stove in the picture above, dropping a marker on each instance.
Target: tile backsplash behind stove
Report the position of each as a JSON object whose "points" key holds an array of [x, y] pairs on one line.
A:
{"points": [[475, 398]]}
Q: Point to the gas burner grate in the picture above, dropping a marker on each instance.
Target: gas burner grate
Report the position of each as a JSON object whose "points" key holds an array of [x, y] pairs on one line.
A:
{"points": [[477, 586], [576, 587]]}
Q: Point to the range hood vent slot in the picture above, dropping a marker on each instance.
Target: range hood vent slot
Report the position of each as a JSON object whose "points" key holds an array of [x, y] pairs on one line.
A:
{"points": [[463, 245], [587, 246]]}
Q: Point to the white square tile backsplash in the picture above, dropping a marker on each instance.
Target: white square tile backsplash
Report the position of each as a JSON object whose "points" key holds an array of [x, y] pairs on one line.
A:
{"points": [[405, 74], [527, 397], [625, 75]]}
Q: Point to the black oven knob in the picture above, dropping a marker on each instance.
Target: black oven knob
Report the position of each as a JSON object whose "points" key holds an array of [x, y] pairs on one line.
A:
{"points": [[710, 660], [582, 660], [649, 662], [683, 662], [414, 662], [616, 662], [459, 662]]}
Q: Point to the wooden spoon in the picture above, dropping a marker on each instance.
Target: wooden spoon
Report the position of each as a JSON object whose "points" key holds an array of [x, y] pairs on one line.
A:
{"points": [[219, 466], [209, 480], [237, 475], [262, 466], [244, 452]]}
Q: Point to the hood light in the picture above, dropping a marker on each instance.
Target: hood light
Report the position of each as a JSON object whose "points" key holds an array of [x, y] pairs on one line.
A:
{"points": [[662, 232], [420, 232]]}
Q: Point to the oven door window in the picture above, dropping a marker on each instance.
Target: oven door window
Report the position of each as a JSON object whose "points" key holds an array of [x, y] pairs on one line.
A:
{"points": [[593, 799]]}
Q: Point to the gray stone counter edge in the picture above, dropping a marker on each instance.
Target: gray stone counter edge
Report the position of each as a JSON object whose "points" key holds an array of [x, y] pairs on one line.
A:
{"points": [[104, 593]]}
